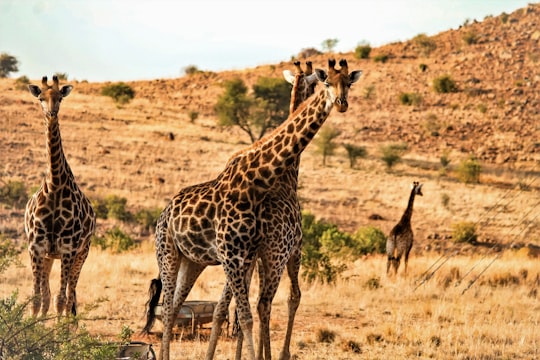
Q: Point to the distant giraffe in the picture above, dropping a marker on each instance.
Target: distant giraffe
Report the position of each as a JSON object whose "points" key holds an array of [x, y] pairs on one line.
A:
{"points": [[220, 221], [59, 219], [400, 241], [283, 241]]}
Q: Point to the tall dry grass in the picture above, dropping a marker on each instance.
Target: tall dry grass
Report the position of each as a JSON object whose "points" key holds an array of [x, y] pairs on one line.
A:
{"points": [[364, 315]]}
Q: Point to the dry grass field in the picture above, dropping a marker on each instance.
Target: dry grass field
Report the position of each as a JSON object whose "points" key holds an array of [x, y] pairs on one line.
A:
{"points": [[364, 315], [147, 150]]}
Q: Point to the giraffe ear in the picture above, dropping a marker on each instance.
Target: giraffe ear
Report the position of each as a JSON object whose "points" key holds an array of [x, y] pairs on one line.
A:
{"points": [[289, 77], [321, 75], [354, 76], [65, 90], [34, 90]]}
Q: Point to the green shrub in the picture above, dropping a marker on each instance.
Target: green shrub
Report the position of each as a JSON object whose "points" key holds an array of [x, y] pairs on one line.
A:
{"points": [[369, 240], [40, 338], [445, 200], [464, 232], [382, 58], [468, 170], [362, 51], [444, 84], [316, 264], [9, 253], [191, 69], [115, 240], [470, 37], [423, 67], [424, 44], [410, 99], [22, 83], [391, 154], [354, 152], [120, 92], [148, 217], [112, 207], [193, 115], [13, 193]]}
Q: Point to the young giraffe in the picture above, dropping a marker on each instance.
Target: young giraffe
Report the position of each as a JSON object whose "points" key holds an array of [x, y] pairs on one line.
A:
{"points": [[59, 220], [400, 240], [282, 243], [220, 221]]}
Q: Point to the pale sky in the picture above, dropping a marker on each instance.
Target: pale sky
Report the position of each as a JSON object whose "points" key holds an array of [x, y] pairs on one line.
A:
{"points": [[123, 40]]}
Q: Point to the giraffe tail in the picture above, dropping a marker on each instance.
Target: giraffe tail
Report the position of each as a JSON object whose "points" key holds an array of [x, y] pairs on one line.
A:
{"points": [[154, 293]]}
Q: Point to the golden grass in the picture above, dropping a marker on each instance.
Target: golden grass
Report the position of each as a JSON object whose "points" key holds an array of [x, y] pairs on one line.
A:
{"points": [[496, 318]]}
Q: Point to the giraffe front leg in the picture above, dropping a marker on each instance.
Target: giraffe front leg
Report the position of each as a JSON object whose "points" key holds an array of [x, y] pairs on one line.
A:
{"points": [[71, 305], [45, 285], [65, 271]]}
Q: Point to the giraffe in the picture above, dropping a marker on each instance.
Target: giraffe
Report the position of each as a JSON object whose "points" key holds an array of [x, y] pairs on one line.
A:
{"points": [[282, 245], [400, 240], [59, 219], [220, 222]]}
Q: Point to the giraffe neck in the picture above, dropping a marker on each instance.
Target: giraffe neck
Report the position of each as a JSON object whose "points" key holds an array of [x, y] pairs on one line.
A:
{"points": [[406, 218], [58, 171], [271, 156]]}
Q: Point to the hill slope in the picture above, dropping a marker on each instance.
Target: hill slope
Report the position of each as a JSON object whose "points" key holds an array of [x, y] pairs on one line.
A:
{"points": [[149, 149]]}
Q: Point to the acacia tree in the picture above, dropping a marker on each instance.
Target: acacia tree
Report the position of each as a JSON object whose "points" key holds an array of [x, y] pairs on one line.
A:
{"points": [[254, 114], [8, 64]]}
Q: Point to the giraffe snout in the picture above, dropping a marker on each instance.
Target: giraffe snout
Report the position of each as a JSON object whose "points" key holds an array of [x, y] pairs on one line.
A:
{"points": [[341, 105]]}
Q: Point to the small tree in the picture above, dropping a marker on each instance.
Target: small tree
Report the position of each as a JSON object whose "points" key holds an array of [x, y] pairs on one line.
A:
{"points": [[120, 92], [354, 152], [325, 142], [328, 45], [424, 44], [256, 114], [391, 154], [469, 170], [191, 69], [362, 51], [8, 64]]}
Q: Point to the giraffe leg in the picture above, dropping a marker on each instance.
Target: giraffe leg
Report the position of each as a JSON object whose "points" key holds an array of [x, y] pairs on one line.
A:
{"points": [[71, 304], [45, 286], [293, 268], [245, 317], [220, 315], [65, 273]]}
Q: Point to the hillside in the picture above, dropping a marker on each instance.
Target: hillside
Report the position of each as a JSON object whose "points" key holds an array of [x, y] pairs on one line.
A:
{"points": [[149, 149]]}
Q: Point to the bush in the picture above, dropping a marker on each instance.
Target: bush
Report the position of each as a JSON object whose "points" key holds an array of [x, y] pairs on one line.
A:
{"points": [[423, 67], [22, 83], [13, 193], [191, 69], [148, 217], [464, 232], [9, 253], [120, 92], [468, 171], [470, 37], [391, 154], [362, 51], [369, 240], [354, 152], [112, 207], [115, 240], [410, 99], [31, 338], [444, 84], [382, 58], [424, 44]]}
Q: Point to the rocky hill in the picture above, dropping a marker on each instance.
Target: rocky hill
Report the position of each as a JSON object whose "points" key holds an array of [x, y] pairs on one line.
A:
{"points": [[146, 150]]}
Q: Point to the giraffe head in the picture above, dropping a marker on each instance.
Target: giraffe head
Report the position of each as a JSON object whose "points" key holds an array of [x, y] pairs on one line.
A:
{"points": [[417, 188], [303, 84], [50, 97], [338, 82]]}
